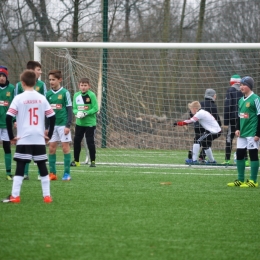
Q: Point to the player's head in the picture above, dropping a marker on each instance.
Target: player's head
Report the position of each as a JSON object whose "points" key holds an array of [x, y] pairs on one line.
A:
{"points": [[194, 106], [235, 79], [210, 93], [84, 85], [28, 78], [3, 74], [35, 66], [55, 78], [248, 81]]}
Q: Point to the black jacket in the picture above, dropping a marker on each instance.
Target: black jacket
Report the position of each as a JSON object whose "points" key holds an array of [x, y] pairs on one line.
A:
{"points": [[231, 103]]}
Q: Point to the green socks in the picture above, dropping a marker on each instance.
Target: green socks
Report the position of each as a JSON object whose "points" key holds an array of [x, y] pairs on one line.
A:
{"points": [[52, 163], [26, 169], [254, 170], [67, 159], [241, 170], [8, 163]]}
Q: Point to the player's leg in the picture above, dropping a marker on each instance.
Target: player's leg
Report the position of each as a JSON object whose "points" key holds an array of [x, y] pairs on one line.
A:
{"points": [[229, 138], [21, 156], [90, 138], [40, 157], [254, 162], [206, 141], [79, 134], [241, 149], [8, 159], [65, 142], [52, 154]]}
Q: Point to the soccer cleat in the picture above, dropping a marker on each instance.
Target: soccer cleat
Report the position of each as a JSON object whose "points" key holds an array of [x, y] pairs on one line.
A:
{"points": [[189, 161], [66, 177], [214, 162], [12, 199], [202, 160], [236, 183], [9, 177], [226, 162], [39, 177], [75, 164], [53, 177], [26, 177], [247, 163], [93, 164], [47, 199], [249, 184]]}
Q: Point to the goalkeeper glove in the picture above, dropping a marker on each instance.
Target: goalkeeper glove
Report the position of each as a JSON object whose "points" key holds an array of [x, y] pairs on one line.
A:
{"points": [[180, 123], [81, 114]]}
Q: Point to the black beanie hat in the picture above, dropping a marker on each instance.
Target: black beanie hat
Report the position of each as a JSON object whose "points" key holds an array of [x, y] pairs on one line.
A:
{"points": [[248, 81]]}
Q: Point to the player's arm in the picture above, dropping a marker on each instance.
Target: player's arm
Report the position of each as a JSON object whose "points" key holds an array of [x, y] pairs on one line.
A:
{"points": [[9, 126], [69, 118], [186, 122], [94, 107], [51, 120], [75, 108]]}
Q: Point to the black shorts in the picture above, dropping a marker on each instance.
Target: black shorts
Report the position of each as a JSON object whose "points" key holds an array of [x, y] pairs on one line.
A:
{"points": [[28, 152]]}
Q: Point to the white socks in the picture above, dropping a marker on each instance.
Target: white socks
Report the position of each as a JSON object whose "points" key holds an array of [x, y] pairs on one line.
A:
{"points": [[45, 181], [195, 152], [17, 183], [209, 155]]}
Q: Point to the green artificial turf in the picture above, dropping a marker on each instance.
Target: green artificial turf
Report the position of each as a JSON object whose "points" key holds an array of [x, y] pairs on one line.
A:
{"points": [[113, 212]]}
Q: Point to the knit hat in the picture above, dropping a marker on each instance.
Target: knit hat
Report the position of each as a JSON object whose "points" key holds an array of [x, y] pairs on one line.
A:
{"points": [[235, 79], [210, 93], [3, 70], [248, 81]]}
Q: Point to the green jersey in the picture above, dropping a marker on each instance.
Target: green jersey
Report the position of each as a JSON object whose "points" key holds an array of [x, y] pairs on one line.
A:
{"points": [[39, 87], [6, 97], [86, 102], [59, 101], [248, 109]]}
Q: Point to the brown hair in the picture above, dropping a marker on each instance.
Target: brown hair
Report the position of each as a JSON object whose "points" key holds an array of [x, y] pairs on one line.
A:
{"points": [[85, 80], [56, 74], [31, 65], [194, 104], [28, 77]]}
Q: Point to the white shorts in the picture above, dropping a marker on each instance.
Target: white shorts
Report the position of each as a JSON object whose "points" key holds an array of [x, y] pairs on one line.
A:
{"points": [[4, 134], [58, 135], [247, 142]]}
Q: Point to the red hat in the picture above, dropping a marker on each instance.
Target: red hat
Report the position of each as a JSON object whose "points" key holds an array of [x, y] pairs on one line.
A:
{"points": [[4, 70]]}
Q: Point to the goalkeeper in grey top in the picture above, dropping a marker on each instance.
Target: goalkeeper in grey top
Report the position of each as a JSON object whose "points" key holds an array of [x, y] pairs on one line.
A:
{"points": [[85, 108]]}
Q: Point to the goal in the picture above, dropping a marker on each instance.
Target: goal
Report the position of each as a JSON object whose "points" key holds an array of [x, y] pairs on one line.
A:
{"points": [[143, 88]]}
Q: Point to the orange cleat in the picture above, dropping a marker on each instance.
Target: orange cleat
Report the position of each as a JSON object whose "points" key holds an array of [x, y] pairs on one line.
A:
{"points": [[53, 177], [47, 199], [12, 199]]}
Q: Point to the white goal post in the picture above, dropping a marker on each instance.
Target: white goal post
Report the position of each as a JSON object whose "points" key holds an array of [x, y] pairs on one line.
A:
{"points": [[142, 88]]}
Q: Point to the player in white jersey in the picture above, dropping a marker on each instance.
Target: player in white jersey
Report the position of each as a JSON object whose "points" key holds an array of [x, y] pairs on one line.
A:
{"points": [[212, 131], [30, 109]]}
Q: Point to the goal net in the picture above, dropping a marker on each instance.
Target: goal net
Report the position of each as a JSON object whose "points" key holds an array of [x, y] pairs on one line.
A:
{"points": [[143, 88]]}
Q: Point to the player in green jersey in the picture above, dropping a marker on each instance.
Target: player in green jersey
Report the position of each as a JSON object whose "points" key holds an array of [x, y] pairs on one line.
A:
{"points": [[6, 97], [85, 108], [40, 87], [60, 101], [248, 133]]}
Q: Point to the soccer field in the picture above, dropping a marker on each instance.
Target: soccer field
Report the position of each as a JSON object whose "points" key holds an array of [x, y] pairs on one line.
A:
{"points": [[124, 212]]}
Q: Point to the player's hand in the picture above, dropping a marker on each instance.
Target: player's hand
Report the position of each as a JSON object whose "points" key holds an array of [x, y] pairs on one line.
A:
{"points": [[47, 139], [81, 114], [237, 133], [14, 141], [15, 124], [66, 130], [175, 124]]}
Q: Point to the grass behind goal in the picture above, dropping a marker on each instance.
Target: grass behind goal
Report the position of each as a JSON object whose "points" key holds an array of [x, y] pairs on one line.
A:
{"points": [[123, 212]]}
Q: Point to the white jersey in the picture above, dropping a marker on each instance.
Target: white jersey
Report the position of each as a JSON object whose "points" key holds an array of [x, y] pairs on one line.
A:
{"points": [[30, 109], [206, 120]]}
